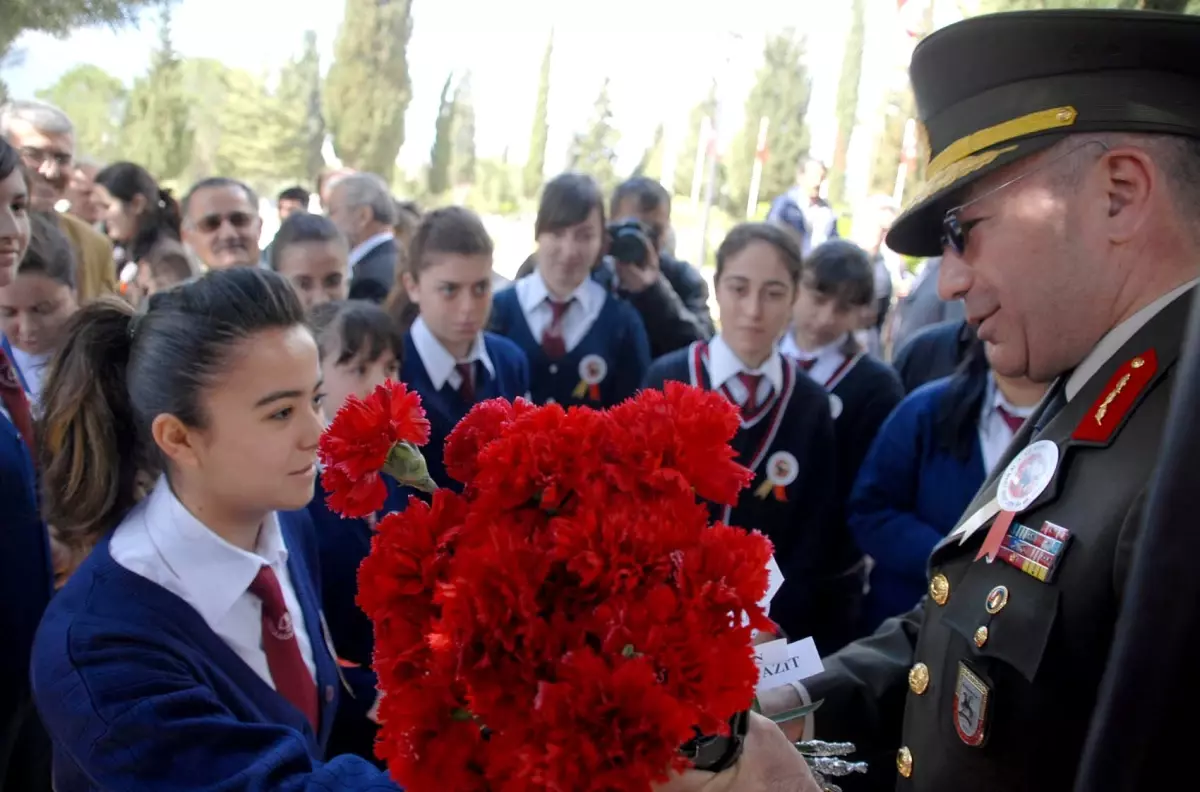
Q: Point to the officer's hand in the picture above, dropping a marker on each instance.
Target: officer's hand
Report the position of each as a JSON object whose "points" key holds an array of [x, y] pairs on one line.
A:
{"points": [[769, 763]]}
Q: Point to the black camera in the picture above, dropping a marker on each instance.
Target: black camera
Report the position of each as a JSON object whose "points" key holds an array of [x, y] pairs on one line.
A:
{"points": [[629, 241]]}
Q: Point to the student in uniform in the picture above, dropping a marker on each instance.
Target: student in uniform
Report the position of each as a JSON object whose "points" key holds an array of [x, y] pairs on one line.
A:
{"points": [[837, 284], [585, 346], [26, 580], [37, 304], [188, 651], [787, 436], [360, 348], [312, 254], [448, 358]]}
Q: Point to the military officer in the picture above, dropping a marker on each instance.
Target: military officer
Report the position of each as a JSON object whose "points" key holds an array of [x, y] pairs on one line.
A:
{"points": [[1063, 194]]}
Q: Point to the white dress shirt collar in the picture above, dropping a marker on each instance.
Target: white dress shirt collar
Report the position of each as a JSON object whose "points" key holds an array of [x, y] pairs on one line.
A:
{"points": [[367, 246], [439, 363], [1116, 338], [533, 292], [724, 365], [211, 571], [826, 360]]}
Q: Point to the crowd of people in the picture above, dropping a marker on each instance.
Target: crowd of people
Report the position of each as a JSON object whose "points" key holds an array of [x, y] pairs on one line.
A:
{"points": [[165, 380]]}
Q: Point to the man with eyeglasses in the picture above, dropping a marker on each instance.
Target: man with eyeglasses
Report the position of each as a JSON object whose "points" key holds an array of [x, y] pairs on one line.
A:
{"points": [[221, 223], [45, 137], [1063, 195]]}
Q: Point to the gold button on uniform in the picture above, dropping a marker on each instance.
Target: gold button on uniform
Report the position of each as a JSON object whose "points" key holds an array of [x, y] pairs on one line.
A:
{"points": [[939, 589], [904, 762], [997, 599], [981, 636], [918, 678]]}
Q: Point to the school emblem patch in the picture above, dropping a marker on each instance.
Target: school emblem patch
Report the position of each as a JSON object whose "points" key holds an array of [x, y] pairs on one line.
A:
{"points": [[971, 699], [283, 630]]}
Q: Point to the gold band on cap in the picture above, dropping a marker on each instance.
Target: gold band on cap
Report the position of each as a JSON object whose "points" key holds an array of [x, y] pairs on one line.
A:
{"points": [[953, 172], [961, 149]]}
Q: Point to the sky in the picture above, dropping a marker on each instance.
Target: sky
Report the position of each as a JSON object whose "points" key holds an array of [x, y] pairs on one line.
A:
{"points": [[660, 55]]}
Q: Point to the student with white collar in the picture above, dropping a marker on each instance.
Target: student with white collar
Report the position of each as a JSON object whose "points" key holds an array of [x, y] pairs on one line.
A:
{"points": [[585, 346], [448, 358], [786, 434], [188, 651]]}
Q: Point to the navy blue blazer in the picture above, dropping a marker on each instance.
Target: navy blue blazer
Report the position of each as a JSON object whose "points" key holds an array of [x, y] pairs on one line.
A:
{"points": [[908, 496], [139, 694], [26, 585]]}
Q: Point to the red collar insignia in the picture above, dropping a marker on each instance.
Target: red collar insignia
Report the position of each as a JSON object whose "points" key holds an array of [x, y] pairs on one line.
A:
{"points": [[1104, 417]]}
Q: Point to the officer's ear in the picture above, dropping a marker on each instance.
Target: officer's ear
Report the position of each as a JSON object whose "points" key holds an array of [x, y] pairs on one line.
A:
{"points": [[1130, 179]]}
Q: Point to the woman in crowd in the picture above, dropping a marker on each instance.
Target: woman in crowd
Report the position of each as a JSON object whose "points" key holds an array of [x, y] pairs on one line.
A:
{"points": [[448, 358], [924, 467], [137, 213], [194, 625], [584, 345], [786, 436], [36, 305]]}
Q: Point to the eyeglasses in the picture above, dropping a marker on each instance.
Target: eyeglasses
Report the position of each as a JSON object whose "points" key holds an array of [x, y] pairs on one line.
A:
{"points": [[36, 157], [210, 223], [955, 230]]}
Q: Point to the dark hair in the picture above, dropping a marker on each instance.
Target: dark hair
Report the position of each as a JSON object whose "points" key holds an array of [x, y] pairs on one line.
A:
{"points": [[10, 159], [408, 216], [568, 199], [451, 229], [841, 269], [159, 218], [954, 426], [49, 253], [649, 193], [356, 325], [297, 194], [170, 260], [745, 234], [214, 183], [300, 228], [116, 372]]}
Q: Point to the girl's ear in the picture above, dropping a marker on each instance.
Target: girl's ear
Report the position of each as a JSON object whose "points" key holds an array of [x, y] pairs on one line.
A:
{"points": [[138, 204], [175, 440], [411, 287]]}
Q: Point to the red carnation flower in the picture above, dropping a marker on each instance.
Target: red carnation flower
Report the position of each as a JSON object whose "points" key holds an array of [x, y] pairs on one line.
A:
{"points": [[481, 426], [352, 497]]}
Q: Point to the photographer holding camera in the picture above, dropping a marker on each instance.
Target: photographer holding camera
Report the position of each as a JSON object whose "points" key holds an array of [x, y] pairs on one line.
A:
{"points": [[669, 294]]}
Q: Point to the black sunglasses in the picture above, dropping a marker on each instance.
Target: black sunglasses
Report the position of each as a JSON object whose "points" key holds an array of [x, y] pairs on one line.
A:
{"points": [[210, 223]]}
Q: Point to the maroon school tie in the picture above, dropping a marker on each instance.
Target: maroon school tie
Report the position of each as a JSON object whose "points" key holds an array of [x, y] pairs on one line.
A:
{"points": [[13, 396], [750, 383], [466, 389], [1014, 421], [552, 338], [806, 365], [291, 676]]}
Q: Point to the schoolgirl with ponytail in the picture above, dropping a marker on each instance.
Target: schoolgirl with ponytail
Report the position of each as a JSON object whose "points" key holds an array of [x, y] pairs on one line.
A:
{"points": [[188, 651]]}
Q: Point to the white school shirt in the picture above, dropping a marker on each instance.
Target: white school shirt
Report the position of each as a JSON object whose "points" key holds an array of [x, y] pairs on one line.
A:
{"points": [[829, 358], [161, 541], [577, 320], [439, 363], [994, 434], [724, 366]]}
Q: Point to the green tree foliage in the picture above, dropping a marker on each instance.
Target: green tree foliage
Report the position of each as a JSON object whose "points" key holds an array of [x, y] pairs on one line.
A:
{"points": [[155, 131], [443, 149], [95, 101], [897, 108], [685, 166], [535, 165], [205, 86], [594, 151], [299, 101], [367, 90], [495, 190], [462, 148], [780, 93], [651, 163], [847, 102]]}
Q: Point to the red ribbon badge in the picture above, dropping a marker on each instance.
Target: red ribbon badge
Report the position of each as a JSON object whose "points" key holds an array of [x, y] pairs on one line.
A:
{"points": [[1108, 412], [1025, 478]]}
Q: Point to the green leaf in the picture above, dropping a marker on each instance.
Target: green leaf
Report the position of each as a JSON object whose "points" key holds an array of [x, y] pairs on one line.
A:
{"points": [[628, 651], [461, 715], [793, 714]]}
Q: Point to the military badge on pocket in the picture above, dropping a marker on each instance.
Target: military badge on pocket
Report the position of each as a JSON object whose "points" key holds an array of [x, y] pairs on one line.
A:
{"points": [[971, 700]]}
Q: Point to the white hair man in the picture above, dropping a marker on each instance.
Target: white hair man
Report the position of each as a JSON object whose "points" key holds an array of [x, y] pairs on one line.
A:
{"points": [[45, 138], [361, 206]]}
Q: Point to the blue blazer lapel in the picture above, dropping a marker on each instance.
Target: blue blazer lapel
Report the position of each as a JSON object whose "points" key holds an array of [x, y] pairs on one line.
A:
{"points": [[300, 538]]}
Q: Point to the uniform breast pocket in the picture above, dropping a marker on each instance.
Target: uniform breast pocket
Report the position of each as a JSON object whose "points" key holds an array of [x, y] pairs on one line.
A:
{"points": [[1004, 615]]}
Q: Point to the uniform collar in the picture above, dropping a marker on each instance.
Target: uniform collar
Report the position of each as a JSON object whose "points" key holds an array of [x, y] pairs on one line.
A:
{"points": [[438, 362], [212, 572], [532, 292], [830, 351], [724, 365], [361, 250]]}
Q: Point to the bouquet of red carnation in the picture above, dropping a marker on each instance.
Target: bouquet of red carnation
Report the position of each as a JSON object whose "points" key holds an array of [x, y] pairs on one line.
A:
{"points": [[572, 618]]}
